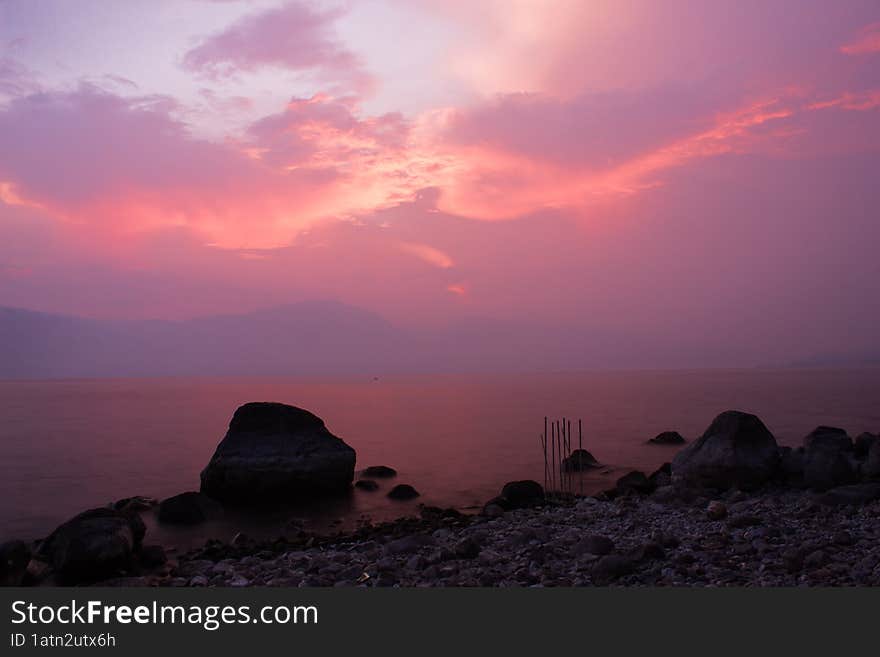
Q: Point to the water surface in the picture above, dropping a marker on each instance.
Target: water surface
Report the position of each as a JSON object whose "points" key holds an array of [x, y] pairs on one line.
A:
{"points": [[72, 445]]}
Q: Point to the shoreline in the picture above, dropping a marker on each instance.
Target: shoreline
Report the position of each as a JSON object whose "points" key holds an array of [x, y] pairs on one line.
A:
{"points": [[776, 536]]}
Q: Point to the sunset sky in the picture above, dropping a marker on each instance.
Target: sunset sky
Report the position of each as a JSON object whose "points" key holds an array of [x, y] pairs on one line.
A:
{"points": [[679, 168]]}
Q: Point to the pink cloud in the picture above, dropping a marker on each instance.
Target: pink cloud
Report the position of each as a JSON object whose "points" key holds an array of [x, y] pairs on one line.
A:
{"points": [[293, 36], [867, 41], [428, 254], [326, 132], [123, 165]]}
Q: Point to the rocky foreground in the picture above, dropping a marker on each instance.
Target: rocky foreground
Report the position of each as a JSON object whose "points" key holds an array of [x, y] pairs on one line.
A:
{"points": [[772, 537], [733, 508]]}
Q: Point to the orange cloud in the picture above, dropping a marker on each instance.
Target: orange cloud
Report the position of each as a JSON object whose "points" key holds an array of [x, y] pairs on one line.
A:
{"points": [[429, 254], [867, 41], [10, 196], [850, 101], [490, 183]]}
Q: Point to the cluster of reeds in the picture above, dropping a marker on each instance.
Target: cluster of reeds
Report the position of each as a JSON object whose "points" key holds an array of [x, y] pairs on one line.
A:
{"points": [[559, 468]]}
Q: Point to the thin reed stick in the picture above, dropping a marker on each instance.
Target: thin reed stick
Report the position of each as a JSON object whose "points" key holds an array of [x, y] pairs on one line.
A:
{"points": [[553, 454], [559, 451], [580, 446], [544, 444]]}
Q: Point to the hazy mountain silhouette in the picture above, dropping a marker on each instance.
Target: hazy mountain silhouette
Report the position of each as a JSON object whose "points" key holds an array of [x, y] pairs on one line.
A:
{"points": [[319, 337], [328, 338]]}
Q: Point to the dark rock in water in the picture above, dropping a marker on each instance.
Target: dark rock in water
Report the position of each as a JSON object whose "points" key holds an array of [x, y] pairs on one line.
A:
{"points": [[855, 494], [136, 503], [379, 472], [366, 484], [863, 443], [521, 494], [667, 438], [579, 460], [274, 450], [96, 544], [737, 450], [188, 508], [662, 476], [403, 492], [152, 556], [14, 559], [829, 459], [635, 482], [594, 544]]}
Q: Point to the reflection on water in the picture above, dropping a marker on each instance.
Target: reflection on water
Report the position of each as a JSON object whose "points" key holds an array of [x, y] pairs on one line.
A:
{"points": [[71, 445]]}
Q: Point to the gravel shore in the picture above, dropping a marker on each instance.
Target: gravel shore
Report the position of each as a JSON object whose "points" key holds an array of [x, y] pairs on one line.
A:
{"points": [[774, 537]]}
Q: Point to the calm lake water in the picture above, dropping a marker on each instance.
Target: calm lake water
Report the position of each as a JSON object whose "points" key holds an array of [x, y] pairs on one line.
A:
{"points": [[71, 445]]}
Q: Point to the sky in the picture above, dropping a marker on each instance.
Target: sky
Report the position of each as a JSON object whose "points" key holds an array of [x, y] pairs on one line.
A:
{"points": [[689, 171]]}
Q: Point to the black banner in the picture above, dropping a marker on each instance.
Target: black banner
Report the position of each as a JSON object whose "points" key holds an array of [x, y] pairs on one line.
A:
{"points": [[229, 621]]}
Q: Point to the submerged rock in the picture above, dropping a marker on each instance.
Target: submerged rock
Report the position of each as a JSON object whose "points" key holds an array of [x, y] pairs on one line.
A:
{"points": [[737, 450], [136, 503], [667, 438], [366, 484], [403, 492], [275, 451], [94, 545], [579, 460], [188, 508], [379, 472]]}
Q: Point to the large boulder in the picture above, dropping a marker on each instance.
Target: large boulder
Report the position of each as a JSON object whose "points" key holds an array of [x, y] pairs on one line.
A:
{"points": [[863, 443], [871, 466], [662, 476], [829, 459], [276, 451], [94, 545], [737, 450]]}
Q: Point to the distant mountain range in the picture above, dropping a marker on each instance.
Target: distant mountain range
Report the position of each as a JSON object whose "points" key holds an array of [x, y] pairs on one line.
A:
{"points": [[321, 338], [305, 338]]}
